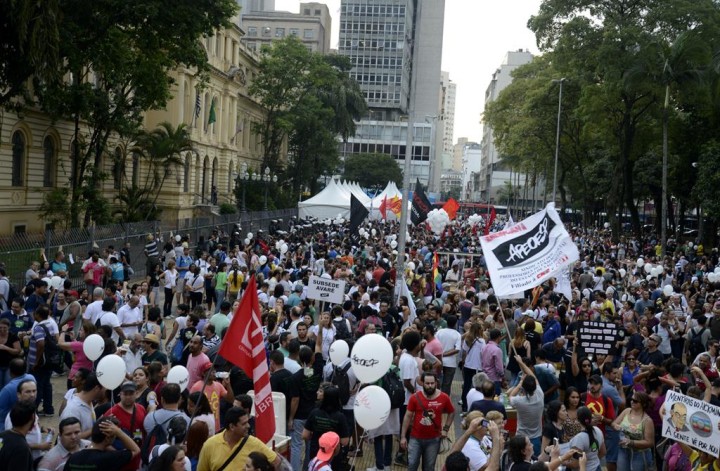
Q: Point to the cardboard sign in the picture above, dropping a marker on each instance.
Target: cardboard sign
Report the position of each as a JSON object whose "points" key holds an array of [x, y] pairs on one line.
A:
{"points": [[322, 289], [599, 337], [692, 422]]}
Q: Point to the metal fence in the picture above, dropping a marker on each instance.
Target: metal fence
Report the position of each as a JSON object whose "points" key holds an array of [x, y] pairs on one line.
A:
{"points": [[18, 251]]}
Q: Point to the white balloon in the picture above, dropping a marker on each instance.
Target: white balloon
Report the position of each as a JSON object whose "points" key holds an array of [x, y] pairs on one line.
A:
{"points": [[640, 262], [690, 244], [262, 260], [284, 248], [648, 268], [712, 277], [339, 351], [56, 282], [373, 232], [93, 347], [668, 290], [717, 270], [656, 270], [649, 277], [606, 225], [411, 266], [110, 371], [393, 244], [249, 235], [179, 375], [247, 241], [622, 273], [371, 358], [372, 406], [178, 238]]}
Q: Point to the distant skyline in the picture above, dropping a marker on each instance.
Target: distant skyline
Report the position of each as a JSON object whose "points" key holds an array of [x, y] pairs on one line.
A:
{"points": [[477, 34]]}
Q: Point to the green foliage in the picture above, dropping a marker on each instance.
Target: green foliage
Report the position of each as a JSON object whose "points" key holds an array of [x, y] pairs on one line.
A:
{"points": [[116, 58], [372, 170], [54, 208], [228, 208], [622, 63], [309, 99], [708, 180]]}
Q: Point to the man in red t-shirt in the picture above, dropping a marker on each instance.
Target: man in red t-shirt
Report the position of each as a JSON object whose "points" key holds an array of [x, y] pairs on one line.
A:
{"points": [[602, 408], [424, 411], [130, 417]]}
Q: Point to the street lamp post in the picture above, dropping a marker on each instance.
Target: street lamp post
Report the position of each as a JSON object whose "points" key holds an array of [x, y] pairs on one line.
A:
{"points": [[266, 177], [557, 136], [244, 177]]}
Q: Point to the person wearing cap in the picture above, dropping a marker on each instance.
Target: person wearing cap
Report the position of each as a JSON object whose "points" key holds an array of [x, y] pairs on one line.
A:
{"points": [[219, 448], [651, 355], [329, 447], [601, 406], [130, 418]]}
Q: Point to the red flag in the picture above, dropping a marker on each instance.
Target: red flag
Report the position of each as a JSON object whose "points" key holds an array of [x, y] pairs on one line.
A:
{"points": [[383, 207], [243, 346], [395, 205], [490, 220], [451, 207]]}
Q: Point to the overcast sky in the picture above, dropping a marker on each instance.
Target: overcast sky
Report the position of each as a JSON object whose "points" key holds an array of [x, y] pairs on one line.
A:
{"points": [[477, 35]]}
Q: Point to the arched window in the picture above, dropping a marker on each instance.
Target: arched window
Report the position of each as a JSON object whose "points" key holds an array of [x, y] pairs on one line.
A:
{"points": [[18, 158], [117, 169], [186, 172], [49, 161], [135, 168]]}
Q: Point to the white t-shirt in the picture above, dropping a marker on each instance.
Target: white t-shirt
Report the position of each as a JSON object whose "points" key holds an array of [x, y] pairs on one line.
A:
{"points": [[474, 395], [92, 310], [408, 370], [327, 340], [450, 339], [111, 319], [474, 450], [170, 278], [129, 315]]}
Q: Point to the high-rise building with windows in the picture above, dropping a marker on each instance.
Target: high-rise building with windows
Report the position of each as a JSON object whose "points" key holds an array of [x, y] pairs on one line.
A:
{"points": [[395, 47], [312, 26]]}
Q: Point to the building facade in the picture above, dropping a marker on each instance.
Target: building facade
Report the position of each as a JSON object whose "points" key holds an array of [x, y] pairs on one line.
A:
{"points": [[449, 92], [379, 38], [495, 176], [312, 26], [471, 166], [37, 150]]}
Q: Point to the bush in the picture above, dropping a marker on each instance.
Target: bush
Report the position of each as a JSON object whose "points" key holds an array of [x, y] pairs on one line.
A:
{"points": [[228, 208]]}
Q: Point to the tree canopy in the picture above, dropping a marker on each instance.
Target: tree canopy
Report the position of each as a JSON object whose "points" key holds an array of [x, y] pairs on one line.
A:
{"points": [[372, 170]]}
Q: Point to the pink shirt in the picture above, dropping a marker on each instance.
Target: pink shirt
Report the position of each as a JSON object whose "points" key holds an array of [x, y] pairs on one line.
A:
{"points": [[81, 361], [491, 360], [194, 367]]}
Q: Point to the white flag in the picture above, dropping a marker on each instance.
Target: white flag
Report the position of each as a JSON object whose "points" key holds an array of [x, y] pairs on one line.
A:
{"points": [[403, 290], [528, 253]]}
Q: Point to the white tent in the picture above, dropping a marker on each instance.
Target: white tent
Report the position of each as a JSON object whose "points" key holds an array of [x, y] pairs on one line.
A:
{"points": [[330, 202], [360, 194], [391, 190]]}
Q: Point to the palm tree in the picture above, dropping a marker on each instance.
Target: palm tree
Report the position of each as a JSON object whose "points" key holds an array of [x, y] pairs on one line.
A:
{"points": [[162, 148]]}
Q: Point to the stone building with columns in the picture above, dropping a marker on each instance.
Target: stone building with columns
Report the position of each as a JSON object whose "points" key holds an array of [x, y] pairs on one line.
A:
{"points": [[35, 151]]}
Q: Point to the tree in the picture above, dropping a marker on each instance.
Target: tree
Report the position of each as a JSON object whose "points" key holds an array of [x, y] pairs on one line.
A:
{"points": [[372, 170], [118, 57]]}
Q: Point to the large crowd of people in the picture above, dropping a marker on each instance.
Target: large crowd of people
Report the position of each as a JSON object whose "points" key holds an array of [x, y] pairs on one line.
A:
{"points": [[529, 397]]}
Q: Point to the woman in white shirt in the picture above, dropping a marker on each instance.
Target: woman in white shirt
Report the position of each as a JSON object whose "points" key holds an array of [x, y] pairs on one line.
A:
{"points": [[169, 279]]}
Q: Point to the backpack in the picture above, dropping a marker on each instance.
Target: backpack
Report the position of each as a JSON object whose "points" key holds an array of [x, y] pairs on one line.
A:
{"points": [[392, 384], [341, 380], [97, 322], [158, 435], [696, 346], [52, 356], [12, 292], [341, 329]]}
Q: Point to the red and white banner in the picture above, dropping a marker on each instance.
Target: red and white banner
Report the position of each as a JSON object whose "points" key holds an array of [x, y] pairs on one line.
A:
{"points": [[243, 346], [528, 253]]}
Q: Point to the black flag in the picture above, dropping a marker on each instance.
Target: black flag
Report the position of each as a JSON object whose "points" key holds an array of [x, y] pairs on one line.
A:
{"points": [[358, 213], [420, 205]]}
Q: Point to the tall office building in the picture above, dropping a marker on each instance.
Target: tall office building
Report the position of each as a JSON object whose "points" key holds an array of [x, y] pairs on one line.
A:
{"points": [[311, 26], [447, 100], [494, 174], [395, 47]]}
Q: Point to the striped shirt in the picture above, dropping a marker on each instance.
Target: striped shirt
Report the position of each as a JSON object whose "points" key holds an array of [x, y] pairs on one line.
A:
{"points": [[151, 249]]}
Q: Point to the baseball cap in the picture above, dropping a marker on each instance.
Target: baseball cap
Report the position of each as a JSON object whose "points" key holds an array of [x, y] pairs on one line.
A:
{"points": [[595, 379], [656, 338], [128, 386], [328, 442]]}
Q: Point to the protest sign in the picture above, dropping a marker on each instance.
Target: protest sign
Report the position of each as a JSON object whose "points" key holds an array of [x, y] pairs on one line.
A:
{"points": [[692, 422], [528, 253], [599, 337], [323, 289]]}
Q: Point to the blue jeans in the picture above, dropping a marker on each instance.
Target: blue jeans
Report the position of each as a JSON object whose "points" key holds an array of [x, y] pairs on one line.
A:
{"points": [[612, 445], [634, 460], [297, 445], [383, 451], [536, 443], [44, 389], [426, 449], [219, 298]]}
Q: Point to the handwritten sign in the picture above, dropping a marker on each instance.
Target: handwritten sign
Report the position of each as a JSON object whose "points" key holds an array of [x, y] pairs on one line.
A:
{"points": [[692, 422], [323, 289], [598, 337]]}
